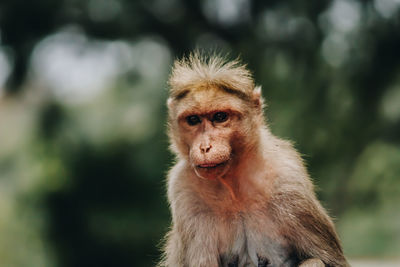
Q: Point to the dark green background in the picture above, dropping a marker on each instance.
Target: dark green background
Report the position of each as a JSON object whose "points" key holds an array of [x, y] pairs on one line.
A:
{"points": [[82, 177]]}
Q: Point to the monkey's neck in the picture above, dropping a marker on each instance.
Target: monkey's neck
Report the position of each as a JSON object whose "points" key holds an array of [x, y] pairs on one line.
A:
{"points": [[247, 167], [230, 188]]}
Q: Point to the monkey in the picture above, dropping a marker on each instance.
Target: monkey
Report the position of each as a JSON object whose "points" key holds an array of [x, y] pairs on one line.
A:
{"points": [[238, 195]]}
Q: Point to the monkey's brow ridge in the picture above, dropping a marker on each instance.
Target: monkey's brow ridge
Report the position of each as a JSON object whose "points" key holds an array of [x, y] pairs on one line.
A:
{"points": [[226, 89], [235, 92], [182, 94]]}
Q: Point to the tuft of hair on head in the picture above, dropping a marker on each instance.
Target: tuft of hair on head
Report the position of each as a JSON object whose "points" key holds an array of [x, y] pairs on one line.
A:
{"points": [[197, 69]]}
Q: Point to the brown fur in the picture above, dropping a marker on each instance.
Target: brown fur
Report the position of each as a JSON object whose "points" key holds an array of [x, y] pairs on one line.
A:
{"points": [[258, 206]]}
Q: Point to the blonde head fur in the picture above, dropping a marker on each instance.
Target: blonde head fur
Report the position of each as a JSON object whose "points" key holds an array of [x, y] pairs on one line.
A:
{"points": [[198, 69]]}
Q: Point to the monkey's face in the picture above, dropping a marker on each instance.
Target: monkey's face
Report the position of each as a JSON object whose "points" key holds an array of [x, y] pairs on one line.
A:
{"points": [[209, 138], [211, 129]]}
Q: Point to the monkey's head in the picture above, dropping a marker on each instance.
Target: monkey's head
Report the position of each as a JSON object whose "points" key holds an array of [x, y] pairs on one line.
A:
{"points": [[215, 112]]}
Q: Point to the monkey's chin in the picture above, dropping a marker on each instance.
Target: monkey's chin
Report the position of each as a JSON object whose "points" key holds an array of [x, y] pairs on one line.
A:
{"points": [[211, 171]]}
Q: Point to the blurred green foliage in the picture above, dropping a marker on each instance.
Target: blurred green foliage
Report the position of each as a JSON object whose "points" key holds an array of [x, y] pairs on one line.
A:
{"points": [[83, 149]]}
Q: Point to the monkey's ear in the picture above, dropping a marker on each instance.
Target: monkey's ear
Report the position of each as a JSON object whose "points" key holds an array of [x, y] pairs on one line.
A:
{"points": [[257, 97]]}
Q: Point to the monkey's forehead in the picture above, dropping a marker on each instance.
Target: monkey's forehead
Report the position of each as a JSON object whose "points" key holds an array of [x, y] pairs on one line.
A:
{"points": [[206, 101], [210, 90]]}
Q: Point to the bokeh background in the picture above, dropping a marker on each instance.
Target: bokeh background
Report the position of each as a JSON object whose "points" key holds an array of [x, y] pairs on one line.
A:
{"points": [[83, 149]]}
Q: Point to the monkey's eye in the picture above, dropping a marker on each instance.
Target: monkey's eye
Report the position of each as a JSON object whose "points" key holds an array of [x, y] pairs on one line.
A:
{"points": [[220, 117], [193, 120]]}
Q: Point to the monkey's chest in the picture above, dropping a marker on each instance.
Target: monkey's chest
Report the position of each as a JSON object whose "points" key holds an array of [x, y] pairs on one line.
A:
{"points": [[253, 241]]}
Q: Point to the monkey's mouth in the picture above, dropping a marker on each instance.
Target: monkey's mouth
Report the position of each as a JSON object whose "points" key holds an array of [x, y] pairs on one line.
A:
{"points": [[211, 170], [210, 165]]}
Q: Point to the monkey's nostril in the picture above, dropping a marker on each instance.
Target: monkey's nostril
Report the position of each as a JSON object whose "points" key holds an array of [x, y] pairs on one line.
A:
{"points": [[205, 149]]}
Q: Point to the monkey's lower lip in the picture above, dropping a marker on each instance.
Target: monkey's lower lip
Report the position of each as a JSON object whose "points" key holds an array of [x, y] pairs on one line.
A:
{"points": [[210, 165]]}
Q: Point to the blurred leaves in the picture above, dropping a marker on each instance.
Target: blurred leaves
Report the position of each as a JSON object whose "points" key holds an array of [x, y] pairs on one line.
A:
{"points": [[83, 149]]}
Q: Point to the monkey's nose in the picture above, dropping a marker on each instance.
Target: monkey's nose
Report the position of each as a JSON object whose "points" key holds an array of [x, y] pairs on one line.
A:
{"points": [[205, 148]]}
